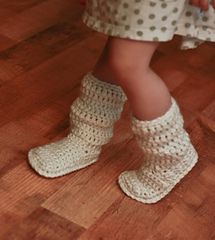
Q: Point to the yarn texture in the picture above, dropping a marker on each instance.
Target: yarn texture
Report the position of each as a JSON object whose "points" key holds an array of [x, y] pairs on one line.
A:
{"points": [[168, 156], [92, 117]]}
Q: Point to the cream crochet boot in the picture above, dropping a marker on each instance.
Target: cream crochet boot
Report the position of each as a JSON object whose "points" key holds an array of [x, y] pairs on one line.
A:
{"points": [[93, 115], [169, 156]]}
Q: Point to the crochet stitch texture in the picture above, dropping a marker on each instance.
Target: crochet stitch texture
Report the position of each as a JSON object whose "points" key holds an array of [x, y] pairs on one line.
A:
{"points": [[93, 115], [168, 156]]}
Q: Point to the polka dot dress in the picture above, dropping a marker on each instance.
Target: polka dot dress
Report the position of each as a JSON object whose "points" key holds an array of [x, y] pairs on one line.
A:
{"points": [[151, 20]]}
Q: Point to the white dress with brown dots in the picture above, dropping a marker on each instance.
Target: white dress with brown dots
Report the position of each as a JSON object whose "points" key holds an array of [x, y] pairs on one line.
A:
{"points": [[151, 20]]}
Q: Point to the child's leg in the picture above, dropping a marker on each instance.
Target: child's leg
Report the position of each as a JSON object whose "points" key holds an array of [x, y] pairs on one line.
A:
{"points": [[126, 62], [168, 152], [92, 116]]}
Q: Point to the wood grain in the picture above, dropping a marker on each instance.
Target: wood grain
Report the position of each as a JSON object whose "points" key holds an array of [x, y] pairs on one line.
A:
{"points": [[44, 52]]}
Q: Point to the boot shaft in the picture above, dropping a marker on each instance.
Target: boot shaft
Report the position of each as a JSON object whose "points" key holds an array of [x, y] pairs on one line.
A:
{"points": [[95, 111]]}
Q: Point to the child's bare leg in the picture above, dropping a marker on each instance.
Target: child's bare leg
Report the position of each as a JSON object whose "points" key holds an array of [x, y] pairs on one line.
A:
{"points": [[168, 152], [126, 62]]}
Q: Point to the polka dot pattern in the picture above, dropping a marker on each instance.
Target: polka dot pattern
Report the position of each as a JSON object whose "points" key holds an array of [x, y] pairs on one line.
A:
{"points": [[151, 20]]}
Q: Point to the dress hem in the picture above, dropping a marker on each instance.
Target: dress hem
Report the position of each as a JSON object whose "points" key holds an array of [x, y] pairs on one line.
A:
{"points": [[120, 31], [197, 34]]}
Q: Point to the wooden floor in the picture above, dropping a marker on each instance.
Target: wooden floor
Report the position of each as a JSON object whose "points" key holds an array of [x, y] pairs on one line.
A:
{"points": [[44, 52]]}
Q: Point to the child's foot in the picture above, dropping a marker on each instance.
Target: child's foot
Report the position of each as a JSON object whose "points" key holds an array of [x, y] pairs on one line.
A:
{"points": [[93, 115], [169, 156]]}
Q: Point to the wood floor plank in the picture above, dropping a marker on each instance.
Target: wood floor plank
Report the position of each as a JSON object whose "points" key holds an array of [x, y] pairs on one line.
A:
{"points": [[196, 93], [203, 141], [22, 192], [176, 226], [40, 47], [207, 116], [127, 219], [17, 137], [36, 50], [87, 195], [86, 202], [44, 52], [27, 23], [12, 7], [169, 68], [194, 208], [49, 80], [43, 224], [6, 42]]}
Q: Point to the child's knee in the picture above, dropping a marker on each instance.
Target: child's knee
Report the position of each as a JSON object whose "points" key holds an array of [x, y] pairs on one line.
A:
{"points": [[124, 58], [121, 65]]}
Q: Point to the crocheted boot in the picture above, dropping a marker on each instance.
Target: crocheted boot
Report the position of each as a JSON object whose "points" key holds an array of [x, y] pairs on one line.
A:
{"points": [[169, 156], [93, 115]]}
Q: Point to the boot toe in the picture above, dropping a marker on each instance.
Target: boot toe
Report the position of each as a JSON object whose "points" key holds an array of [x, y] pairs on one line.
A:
{"points": [[61, 158], [136, 189], [131, 186], [41, 164]]}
